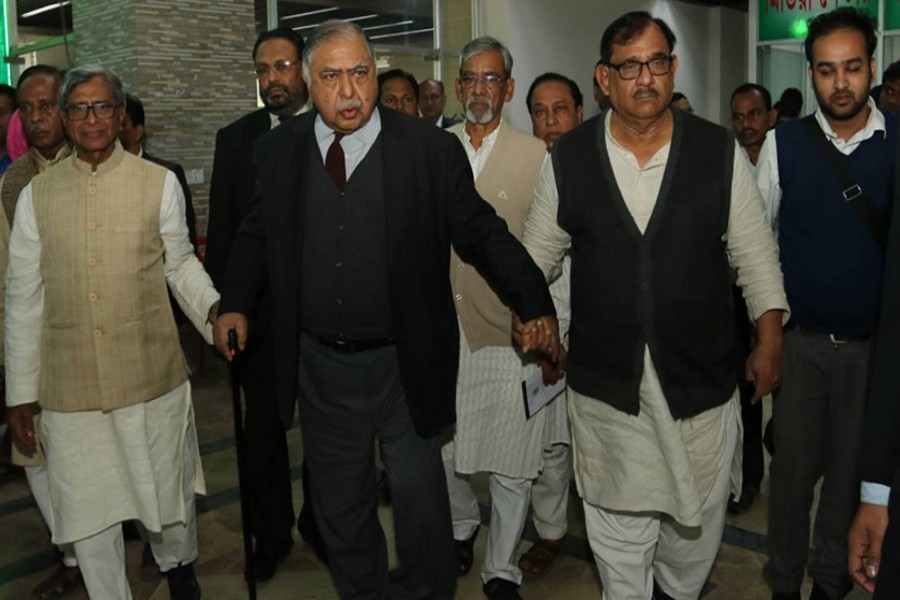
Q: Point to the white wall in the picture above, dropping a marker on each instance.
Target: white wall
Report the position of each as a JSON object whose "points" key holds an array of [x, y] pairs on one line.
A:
{"points": [[564, 36]]}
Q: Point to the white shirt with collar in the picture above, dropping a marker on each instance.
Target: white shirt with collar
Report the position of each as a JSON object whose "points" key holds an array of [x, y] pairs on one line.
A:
{"points": [[767, 165], [355, 145], [478, 156]]}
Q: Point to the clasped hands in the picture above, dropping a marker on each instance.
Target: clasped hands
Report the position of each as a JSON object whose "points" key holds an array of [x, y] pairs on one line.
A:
{"points": [[542, 334]]}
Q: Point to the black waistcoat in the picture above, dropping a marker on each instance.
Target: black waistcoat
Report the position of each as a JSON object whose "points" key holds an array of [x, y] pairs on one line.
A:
{"points": [[668, 288], [343, 281]]}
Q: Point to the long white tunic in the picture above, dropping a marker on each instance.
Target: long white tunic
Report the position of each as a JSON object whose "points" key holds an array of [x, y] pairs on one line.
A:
{"points": [[492, 432], [124, 464], [650, 462]]}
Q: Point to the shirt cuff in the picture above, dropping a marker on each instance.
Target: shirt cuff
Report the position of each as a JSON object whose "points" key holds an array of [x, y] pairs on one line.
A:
{"points": [[875, 493]]}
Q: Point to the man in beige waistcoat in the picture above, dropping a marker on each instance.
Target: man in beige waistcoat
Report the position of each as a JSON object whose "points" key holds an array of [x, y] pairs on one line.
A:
{"points": [[91, 340], [37, 92], [492, 431]]}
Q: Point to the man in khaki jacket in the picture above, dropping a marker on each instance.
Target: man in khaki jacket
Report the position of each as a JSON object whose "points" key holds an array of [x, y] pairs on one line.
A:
{"points": [[492, 432], [90, 338]]}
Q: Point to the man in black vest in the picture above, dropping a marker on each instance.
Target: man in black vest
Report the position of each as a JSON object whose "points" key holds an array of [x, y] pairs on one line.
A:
{"points": [[655, 205], [276, 58], [827, 184], [355, 213]]}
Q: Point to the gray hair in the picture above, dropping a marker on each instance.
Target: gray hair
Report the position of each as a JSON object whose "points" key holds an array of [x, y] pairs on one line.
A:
{"points": [[77, 76], [327, 31], [487, 44]]}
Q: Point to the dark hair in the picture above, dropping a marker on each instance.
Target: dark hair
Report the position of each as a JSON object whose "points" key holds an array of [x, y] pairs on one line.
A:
{"points": [[395, 74], [892, 72], [34, 71], [753, 87], [845, 17], [280, 33], [790, 104], [676, 96], [626, 28], [437, 81], [573, 88], [8, 90], [134, 108]]}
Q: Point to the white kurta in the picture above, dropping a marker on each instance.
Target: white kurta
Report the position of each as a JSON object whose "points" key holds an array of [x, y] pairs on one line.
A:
{"points": [[492, 432], [127, 463], [649, 462]]}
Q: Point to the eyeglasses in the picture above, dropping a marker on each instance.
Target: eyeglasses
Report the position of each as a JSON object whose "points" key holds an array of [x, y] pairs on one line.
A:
{"points": [[102, 110], [631, 69], [40, 108], [280, 66], [488, 80]]}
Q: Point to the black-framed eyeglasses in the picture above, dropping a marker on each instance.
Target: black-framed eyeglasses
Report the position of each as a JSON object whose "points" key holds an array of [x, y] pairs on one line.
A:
{"points": [[631, 69], [102, 110], [488, 80], [280, 66]]}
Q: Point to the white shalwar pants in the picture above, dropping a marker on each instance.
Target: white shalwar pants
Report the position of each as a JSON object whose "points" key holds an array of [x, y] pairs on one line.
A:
{"points": [[633, 549], [550, 494], [510, 497]]}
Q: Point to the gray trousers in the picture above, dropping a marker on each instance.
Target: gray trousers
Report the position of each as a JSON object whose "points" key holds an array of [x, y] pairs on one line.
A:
{"points": [[347, 402], [818, 413]]}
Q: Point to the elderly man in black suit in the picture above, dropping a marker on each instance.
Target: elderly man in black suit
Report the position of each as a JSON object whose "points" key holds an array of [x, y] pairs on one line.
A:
{"points": [[276, 61], [357, 209]]}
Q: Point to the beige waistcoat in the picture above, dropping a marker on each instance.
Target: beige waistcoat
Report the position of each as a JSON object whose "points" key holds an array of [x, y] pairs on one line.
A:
{"points": [[109, 338], [507, 183]]}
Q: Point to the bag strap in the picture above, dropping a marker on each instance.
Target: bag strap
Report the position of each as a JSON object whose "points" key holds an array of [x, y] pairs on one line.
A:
{"points": [[852, 192]]}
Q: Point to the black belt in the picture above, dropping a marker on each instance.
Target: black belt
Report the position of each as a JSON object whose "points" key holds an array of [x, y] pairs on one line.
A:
{"points": [[836, 338], [353, 346]]}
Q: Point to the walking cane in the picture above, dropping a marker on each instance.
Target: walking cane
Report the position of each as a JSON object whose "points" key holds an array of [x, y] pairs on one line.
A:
{"points": [[241, 444]]}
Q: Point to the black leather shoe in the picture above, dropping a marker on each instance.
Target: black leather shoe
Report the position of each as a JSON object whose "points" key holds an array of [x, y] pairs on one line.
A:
{"points": [[500, 589], [183, 584], [265, 561], [465, 555], [788, 596]]}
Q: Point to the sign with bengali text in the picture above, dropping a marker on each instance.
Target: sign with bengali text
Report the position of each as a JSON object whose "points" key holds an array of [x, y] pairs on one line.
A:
{"points": [[789, 19]]}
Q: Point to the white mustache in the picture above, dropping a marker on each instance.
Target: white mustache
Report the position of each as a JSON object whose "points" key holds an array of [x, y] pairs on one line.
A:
{"points": [[349, 104]]}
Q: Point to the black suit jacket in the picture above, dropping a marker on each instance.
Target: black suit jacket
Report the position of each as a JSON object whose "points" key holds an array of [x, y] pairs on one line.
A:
{"points": [[431, 202], [880, 450], [231, 188], [449, 122], [189, 215]]}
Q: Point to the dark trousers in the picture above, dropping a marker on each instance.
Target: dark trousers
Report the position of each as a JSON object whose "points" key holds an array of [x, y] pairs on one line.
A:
{"points": [[347, 402], [751, 414], [272, 509], [819, 410]]}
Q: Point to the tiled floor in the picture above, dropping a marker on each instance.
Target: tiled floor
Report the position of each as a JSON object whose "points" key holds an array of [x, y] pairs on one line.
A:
{"points": [[26, 556]]}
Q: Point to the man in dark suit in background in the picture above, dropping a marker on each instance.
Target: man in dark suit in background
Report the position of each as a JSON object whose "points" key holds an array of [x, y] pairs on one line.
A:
{"points": [[276, 57], [351, 232], [874, 545], [132, 138], [432, 101]]}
